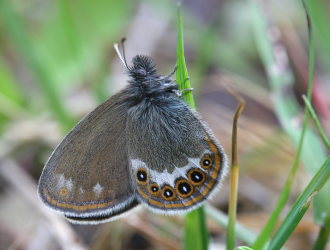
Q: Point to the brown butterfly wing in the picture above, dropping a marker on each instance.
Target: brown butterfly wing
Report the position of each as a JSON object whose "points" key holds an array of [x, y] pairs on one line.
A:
{"points": [[87, 176], [176, 162]]}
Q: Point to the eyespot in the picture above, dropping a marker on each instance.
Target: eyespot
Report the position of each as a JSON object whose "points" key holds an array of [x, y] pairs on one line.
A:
{"points": [[184, 188], [206, 161], [64, 192], [168, 193], [154, 188], [142, 176], [196, 176]]}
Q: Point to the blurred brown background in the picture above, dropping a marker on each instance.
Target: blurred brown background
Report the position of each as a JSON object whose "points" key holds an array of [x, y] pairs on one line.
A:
{"points": [[57, 63]]}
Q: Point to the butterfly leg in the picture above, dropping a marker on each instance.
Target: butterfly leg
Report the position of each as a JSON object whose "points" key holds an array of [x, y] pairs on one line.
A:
{"points": [[170, 75], [179, 93], [173, 72]]}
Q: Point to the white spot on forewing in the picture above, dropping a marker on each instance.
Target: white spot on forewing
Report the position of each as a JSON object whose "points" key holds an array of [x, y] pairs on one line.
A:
{"points": [[81, 190], [69, 184], [61, 181], [97, 189], [64, 183]]}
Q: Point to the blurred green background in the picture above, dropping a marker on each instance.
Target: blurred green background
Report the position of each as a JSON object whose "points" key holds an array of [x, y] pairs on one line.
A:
{"points": [[57, 63]]}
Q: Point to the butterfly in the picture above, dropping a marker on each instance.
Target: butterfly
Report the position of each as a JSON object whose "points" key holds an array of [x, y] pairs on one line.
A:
{"points": [[144, 145]]}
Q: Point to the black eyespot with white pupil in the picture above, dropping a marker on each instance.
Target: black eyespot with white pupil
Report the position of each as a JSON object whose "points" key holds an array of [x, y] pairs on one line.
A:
{"points": [[168, 193], [197, 177], [154, 189], [206, 162], [142, 175], [184, 188]]}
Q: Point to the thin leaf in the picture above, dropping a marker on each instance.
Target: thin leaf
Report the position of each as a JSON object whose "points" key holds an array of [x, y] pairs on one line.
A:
{"points": [[234, 174], [243, 233], [323, 237], [317, 122], [300, 207], [286, 108], [21, 38], [196, 234], [182, 76]]}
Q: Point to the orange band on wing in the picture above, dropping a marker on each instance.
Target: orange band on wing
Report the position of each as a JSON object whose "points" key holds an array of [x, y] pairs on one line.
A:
{"points": [[214, 174], [187, 203], [74, 206], [218, 159]]}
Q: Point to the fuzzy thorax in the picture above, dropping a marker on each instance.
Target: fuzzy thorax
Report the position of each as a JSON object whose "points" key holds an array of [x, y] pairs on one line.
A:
{"points": [[145, 81]]}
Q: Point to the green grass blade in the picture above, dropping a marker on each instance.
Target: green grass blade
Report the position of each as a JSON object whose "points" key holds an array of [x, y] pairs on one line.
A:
{"points": [[315, 17], [182, 76], [300, 207], [72, 37], [12, 99], [323, 237], [242, 232], [266, 52], [286, 108], [317, 122], [319, 14], [11, 109], [21, 38], [8, 85], [196, 234]]}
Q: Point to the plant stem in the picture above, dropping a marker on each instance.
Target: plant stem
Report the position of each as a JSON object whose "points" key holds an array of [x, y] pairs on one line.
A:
{"points": [[231, 238], [196, 234]]}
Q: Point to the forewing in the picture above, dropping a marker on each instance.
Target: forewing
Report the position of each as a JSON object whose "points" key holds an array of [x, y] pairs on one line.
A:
{"points": [[176, 162], [87, 176]]}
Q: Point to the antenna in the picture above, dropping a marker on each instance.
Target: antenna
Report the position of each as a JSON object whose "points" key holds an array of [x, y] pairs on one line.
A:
{"points": [[121, 54]]}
